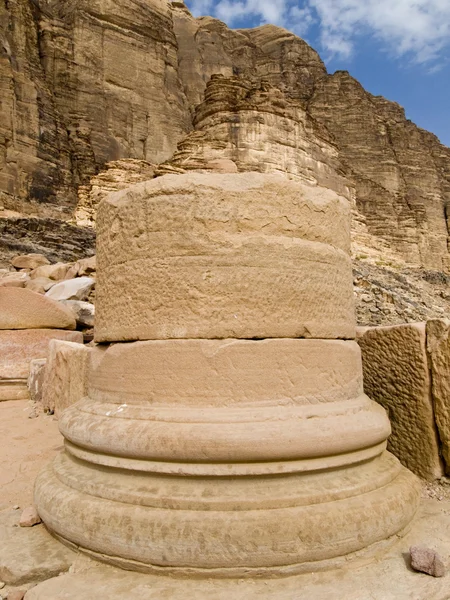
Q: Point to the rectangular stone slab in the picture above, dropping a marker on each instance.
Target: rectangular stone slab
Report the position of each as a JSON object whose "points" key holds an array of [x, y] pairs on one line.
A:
{"points": [[65, 375], [19, 347], [396, 374], [438, 346]]}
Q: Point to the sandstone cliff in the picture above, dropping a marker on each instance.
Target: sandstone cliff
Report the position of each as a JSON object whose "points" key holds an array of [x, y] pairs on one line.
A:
{"points": [[84, 83], [401, 173]]}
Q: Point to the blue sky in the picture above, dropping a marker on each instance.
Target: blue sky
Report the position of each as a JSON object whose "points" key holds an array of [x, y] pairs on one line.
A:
{"points": [[399, 49]]}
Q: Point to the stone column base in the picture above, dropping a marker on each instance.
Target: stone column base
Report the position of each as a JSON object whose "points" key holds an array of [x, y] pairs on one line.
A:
{"points": [[226, 526]]}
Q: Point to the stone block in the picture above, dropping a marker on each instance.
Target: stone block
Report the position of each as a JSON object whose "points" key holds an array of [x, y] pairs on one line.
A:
{"points": [[438, 345], [71, 289], [35, 381], [241, 255], [397, 376], [24, 309], [14, 280], [56, 272], [65, 375], [17, 350]]}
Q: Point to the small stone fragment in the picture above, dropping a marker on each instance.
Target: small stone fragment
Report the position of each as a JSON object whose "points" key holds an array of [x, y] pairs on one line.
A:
{"points": [[29, 517], [16, 507], [2, 585], [426, 561]]}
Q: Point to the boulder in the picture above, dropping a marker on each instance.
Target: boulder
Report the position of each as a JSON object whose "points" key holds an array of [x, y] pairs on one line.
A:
{"points": [[72, 289], [56, 272], [24, 309], [18, 349], [85, 266], [65, 375], [29, 261], [397, 375], [36, 379], [17, 280], [84, 312], [40, 284]]}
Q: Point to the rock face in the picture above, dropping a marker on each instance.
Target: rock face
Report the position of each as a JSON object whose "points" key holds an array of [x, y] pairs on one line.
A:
{"points": [[401, 173], [86, 83], [260, 129], [168, 436], [56, 239], [100, 79], [264, 232]]}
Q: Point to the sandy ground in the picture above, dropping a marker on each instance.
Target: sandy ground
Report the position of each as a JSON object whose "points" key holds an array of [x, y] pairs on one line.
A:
{"points": [[26, 445]]}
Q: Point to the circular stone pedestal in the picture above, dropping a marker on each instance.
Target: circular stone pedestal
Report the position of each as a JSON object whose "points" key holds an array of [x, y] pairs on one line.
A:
{"points": [[205, 452], [228, 457]]}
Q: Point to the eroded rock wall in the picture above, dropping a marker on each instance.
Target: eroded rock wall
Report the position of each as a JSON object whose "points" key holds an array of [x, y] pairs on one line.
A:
{"points": [[83, 83]]}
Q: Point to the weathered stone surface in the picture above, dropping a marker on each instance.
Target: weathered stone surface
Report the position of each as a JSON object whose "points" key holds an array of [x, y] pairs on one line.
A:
{"points": [[29, 261], [438, 346], [65, 375], [23, 309], [207, 46], [16, 280], [35, 381], [29, 554], [427, 561], [99, 78], [18, 349], [118, 175], [385, 578], [58, 240], [258, 128], [400, 171], [223, 256], [208, 422], [396, 374], [71, 289]]}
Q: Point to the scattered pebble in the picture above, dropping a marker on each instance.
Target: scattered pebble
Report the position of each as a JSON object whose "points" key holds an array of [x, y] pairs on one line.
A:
{"points": [[29, 517], [426, 561], [16, 507], [2, 585]]}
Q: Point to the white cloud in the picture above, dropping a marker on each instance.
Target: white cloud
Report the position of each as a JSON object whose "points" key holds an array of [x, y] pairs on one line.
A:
{"points": [[416, 28]]}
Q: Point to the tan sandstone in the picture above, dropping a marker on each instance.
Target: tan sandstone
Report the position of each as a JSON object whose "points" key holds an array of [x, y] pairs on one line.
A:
{"points": [[65, 375], [29, 261], [438, 346], [18, 349], [397, 375], [217, 256], [24, 309], [225, 458]]}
